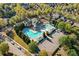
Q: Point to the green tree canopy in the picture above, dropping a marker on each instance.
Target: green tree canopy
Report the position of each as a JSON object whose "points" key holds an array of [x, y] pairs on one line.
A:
{"points": [[20, 10], [14, 19], [61, 25], [1, 53], [72, 52], [33, 47], [63, 39], [75, 29], [73, 37], [4, 47], [68, 40], [68, 27], [2, 22]]}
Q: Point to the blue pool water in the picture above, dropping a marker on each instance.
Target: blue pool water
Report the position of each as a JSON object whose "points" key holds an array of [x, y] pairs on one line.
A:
{"points": [[31, 34]]}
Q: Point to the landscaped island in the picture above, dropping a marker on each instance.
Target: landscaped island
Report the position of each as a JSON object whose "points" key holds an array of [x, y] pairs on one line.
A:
{"points": [[44, 29]]}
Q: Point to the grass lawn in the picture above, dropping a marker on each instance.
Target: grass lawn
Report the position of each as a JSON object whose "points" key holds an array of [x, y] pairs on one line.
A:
{"points": [[21, 42]]}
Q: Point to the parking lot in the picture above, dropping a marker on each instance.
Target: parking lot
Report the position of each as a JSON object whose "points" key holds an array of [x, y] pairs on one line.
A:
{"points": [[50, 47], [15, 50]]}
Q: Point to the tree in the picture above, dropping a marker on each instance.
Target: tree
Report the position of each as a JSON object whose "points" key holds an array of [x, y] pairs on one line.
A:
{"points": [[37, 12], [61, 25], [68, 40], [75, 29], [58, 9], [31, 5], [43, 53], [33, 47], [25, 38], [68, 27], [73, 37], [63, 39], [10, 34], [6, 11], [4, 47], [1, 12], [48, 10], [9, 14], [2, 22], [20, 11], [17, 29], [72, 52], [1, 53], [13, 20]]}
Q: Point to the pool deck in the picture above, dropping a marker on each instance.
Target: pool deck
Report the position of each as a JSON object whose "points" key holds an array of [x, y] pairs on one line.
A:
{"points": [[39, 33], [50, 47]]}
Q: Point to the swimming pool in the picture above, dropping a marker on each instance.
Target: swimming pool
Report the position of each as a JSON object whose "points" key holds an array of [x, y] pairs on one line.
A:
{"points": [[32, 34]]}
